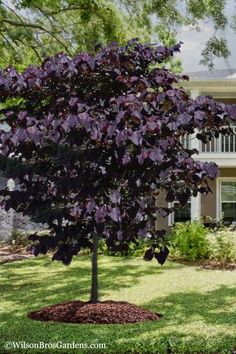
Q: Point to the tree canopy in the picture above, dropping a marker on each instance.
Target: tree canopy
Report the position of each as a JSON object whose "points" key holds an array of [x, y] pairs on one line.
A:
{"points": [[31, 30], [92, 140]]}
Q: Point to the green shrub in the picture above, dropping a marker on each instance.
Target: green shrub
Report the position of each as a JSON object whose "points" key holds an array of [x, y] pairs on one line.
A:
{"points": [[222, 245], [19, 238], [189, 241], [135, 250]]}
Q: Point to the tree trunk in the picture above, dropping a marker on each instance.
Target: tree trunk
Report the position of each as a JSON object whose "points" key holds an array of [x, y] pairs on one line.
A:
{"points": [[94, 280]]}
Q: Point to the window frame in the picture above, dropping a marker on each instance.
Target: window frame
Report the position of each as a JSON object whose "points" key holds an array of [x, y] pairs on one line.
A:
{"points": [[171, 216], [219, 212]]}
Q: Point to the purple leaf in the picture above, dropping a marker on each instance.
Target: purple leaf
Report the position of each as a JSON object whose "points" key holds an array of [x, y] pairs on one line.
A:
{"points": [[138, 217], [72, 121], [73, 101], [103, 170], [199, 116], [126, 159], [115, 197], [22, 115], [164, 173], [142, 156], [155, 154], [164, 212], [96, 134], [171, 93], [142, 233], [149, 254], [162, 255], [75, 212], [90, 206], [100, 214], [85, 121], [170, 196], [231, 109], [115, 214], [184, 119], [211, 169], [22, 135], [136, 138], [183, 197], [120, 235], [34, 134], [121, 138], [151, 126]]}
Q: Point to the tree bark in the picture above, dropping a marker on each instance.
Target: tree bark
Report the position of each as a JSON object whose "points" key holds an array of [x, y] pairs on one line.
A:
{"points": [[94, 280]]}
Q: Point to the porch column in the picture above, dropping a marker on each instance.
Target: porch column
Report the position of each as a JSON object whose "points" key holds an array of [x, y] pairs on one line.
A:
{"points": [[194, 93], [195, 144], [196, 207]]}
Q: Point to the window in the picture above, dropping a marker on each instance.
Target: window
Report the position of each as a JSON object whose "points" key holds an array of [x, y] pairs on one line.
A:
{"points": [[182, 213], [228, 199], [185, 141]]}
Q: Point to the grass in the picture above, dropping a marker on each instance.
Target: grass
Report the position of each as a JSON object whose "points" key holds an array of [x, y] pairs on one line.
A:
{"points": [[198, 305]]}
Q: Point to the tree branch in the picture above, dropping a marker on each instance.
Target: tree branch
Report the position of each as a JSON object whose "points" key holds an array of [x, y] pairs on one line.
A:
{"points": [[21, 20], [33, 48], [9, 43], [36, 26], [52, 19], [68, 8]]}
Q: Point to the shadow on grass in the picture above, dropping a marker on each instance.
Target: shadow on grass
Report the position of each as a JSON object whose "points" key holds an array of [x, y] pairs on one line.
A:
{"points": [[175, 341], [213, 307], [192, 322], [39, 282], [32, 284]]}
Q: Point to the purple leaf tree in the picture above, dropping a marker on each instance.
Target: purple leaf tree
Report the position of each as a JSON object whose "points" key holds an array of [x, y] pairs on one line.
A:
{"points": [[91, 141]]}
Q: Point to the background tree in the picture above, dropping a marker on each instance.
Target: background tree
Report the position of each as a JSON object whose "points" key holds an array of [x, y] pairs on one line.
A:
{"points": [[93, 140], [34, 29], [163, 19]]}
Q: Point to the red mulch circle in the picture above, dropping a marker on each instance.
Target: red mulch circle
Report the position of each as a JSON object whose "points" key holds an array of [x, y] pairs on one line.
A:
{"points": [[101, 312]]}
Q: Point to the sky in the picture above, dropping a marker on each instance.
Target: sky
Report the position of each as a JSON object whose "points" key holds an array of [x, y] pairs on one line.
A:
{"points": [[194, 43]]}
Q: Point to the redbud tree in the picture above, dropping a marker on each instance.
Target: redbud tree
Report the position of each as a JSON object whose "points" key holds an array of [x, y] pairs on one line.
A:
{"points": [[91, 141]]}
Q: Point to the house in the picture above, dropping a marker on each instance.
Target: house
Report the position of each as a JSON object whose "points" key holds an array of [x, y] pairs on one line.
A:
{"points": [[11, 220], [220, 84]]}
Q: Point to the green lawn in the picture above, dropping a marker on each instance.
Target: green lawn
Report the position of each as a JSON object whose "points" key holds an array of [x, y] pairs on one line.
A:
{"points": [[198, 306]]}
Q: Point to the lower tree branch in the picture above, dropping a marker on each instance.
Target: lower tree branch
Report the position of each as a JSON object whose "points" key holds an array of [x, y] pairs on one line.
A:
{"points": [[36, 26]]}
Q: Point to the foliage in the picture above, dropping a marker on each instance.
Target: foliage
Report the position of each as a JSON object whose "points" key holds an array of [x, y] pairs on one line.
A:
{"points": [[193, 241], [222, 245], [198, 306], [165, 18], [19, 238], [190, 240], [34, 29], [133, 249], [215, 48], [94, 140]]}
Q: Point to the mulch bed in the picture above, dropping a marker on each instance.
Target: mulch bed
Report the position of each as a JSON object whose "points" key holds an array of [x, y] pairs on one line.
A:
{"points": [[102, 312], [9, 254], [208, 264]]}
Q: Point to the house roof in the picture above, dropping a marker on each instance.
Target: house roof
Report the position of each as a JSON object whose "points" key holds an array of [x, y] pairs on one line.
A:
{"points": [[221, 84], [212, 75]]}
